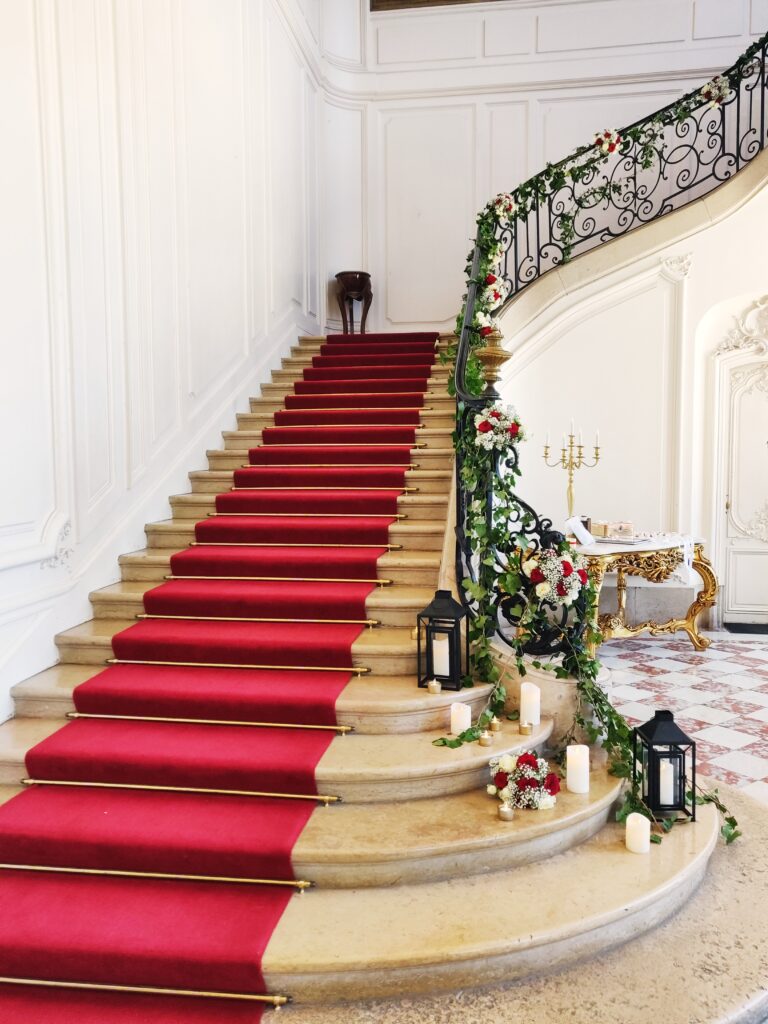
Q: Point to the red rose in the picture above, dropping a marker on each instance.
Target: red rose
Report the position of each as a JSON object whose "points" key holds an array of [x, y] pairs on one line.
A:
{"points": [[500, 779], [582, 574], [485, 331], [552, 784], [494, 414], [611, 147], [484, 427], [567, 568], [537, 576], [514, 429], [527, 761], [491, 279], [562, 589], [607, 134]]}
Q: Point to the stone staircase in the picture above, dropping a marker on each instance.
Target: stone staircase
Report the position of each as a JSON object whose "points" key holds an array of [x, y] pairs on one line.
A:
{"points": [[419, 886]]}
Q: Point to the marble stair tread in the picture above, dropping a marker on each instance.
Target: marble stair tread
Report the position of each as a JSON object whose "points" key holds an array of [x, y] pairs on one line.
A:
{"points": [[197, 505], [414, 559], [405, 842], [341, 944], [17, 736], [371, 768], [370, 694], [397, 531]]}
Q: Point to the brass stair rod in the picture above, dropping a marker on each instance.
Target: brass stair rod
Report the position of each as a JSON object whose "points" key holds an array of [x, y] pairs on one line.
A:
{"points": [[211, 721], [276, 1001], [217, 664], [203, 790], [300, 884]]}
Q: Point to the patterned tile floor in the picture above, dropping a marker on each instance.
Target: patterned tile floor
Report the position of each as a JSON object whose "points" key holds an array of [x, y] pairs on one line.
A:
{"points": [[719, 696]]}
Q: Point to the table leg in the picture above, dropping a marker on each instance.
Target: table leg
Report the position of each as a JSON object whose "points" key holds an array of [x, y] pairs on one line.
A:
{"points": [[342, 306], [705, 598]]}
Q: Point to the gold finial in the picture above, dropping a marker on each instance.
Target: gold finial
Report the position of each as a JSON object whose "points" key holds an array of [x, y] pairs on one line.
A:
{"points": [[492, 355]]}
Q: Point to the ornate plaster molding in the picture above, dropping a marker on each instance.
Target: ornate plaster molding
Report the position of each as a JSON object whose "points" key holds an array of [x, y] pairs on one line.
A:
{"points": [[62, 551], [757, 527], [751, 330], [675, 268]]}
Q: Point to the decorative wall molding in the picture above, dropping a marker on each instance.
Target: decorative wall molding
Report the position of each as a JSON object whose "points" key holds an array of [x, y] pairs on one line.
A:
{"points": [[757, 527], [676, 268], [750, 331], [63, 550]]}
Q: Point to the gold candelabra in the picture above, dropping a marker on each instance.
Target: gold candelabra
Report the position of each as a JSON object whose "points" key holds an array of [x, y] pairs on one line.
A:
{"points": [[571, 459]]}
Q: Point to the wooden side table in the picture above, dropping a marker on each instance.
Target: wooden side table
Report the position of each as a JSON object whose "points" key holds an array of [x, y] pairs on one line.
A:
{"points": [[353, 286]]}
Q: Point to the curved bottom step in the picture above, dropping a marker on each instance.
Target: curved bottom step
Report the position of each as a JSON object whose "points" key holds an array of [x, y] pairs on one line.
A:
{"points": [[707, 963], [356, 944]]}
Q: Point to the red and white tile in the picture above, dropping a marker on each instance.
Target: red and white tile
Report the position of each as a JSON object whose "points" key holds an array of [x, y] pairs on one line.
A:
{"points": [[719, 696]]}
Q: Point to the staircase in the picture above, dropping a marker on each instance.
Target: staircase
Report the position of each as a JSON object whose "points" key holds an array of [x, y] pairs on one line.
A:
{"points": [[124, 897]]}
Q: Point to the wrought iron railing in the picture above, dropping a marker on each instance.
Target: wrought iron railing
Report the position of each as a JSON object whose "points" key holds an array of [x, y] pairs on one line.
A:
{"points": [[655, 166]]}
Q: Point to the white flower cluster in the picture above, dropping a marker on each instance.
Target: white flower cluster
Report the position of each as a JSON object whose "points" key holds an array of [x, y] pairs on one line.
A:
{"points": [[556, 577], [495, 291], [525, 781], [498, 426], [716, 91], [608, 141]]}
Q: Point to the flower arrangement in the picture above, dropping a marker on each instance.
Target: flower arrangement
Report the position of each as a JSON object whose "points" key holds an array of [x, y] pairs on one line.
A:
{"points": [[716, 91], [504, 206], [498, 426], [524, 781], [556, 577], [607, 141]]}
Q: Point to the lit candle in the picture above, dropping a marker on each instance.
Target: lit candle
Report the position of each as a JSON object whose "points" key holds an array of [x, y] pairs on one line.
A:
{"points": [[506, 812], [441, 661], [530, 703], [486, 738], [577, 768], [434, 686], [495, 724], [666, 782], [461, 718], [638, 835], [525, 729]]}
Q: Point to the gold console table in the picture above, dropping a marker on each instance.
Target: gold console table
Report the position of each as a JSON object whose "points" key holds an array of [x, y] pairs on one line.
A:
{"points": [[655, 561]]}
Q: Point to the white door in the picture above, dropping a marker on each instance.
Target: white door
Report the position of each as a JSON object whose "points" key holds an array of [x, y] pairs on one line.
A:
{"points": [[746, 499]]}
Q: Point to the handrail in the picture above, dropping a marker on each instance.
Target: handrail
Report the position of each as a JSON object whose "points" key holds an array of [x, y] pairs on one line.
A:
{"points": [[620, 182]]}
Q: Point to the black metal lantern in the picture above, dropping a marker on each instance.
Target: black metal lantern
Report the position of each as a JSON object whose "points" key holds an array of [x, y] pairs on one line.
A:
{"points": [[442, 652], [664, 766]]}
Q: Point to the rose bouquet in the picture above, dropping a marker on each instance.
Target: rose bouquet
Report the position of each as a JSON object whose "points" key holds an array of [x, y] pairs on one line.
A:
{"points": [[523, 781], [498, 426], [607, 141], [717, 91], [556, 577]]}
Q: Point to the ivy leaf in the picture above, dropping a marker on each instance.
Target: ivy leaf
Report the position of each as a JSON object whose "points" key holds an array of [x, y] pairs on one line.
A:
{"points": [[656, 838], [668, 824], [514, 716]]}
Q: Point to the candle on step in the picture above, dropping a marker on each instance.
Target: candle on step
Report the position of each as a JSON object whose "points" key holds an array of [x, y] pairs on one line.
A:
{"points": [[441, 661], [666, 782], [506, 812], [530, 703], [638, 834], [495, 724], [461, 717], [434, 686], [486, 738], [577, 768]]}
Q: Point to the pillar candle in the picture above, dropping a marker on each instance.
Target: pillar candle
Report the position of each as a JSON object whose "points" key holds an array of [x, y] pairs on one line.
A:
{"points": [[461, 717], [577, 768], [666, 782], [441, 662], [638, 835], [530, 703]]}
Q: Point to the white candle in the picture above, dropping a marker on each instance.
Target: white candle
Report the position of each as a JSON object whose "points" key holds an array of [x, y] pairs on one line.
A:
{"points": [[461, 717], [434, 686], [581, 439], [441, 661], [571, 428], [597, 439], [577, 768], [638, 835], [666, 782], [530, 703], [546, 443]]}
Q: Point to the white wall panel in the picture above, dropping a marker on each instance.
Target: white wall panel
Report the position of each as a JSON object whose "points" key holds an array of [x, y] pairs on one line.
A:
{"points": [[343, 193], [426, 245], [26, 456], [342, 30], [758, 22], [508, 145], [713, 19], [457, 39], [595, 25], [509, 33]]}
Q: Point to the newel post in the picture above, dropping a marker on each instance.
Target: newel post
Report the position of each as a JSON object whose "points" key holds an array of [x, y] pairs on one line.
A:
{"points": [[492, 355]]}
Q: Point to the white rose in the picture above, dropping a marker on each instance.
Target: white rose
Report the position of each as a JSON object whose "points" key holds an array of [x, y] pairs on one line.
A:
{"points": [[546, 801], [504, 794], [490, 790], [529, 566], [542, 589], [507, 763]]}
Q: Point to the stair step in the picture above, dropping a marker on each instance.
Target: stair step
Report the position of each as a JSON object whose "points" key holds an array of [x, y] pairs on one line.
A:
{"points": [[415, 506], [384, 650], [363, 768], [397, 605], [426, 480], [424, 458], [418, 939], [372, 704]]}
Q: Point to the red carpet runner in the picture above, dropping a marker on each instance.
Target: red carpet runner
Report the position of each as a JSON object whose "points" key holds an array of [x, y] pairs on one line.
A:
{"points": [[295, 544]]}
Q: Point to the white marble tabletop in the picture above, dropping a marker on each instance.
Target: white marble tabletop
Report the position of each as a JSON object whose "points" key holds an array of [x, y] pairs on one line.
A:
{"points": [[660, 543]]}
